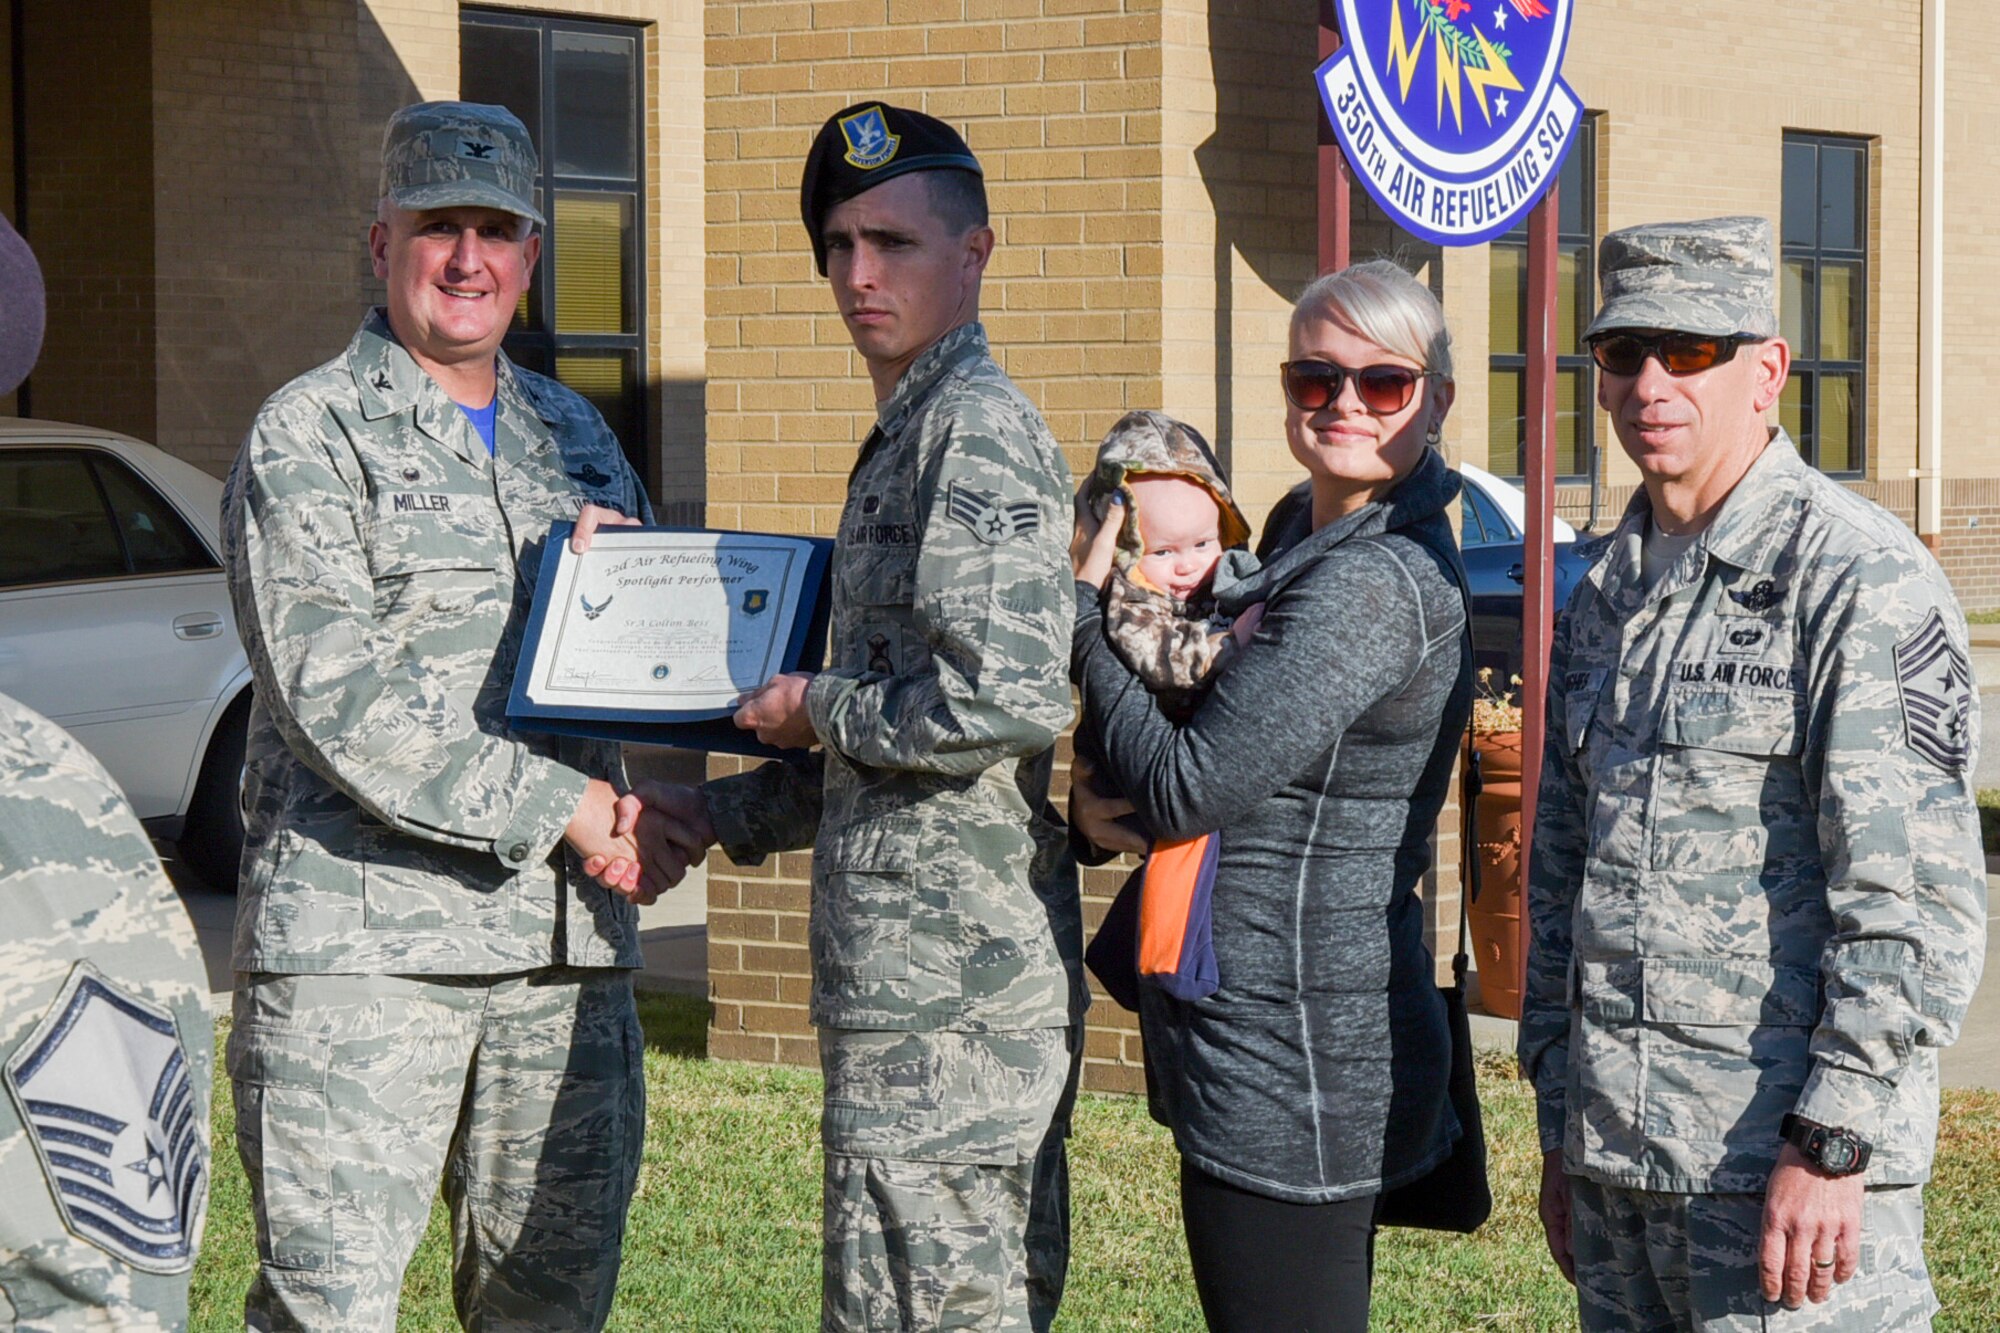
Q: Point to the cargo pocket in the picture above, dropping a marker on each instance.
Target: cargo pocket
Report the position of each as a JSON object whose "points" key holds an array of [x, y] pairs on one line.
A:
{"points": [[1720, 752], [1724, 1044], [861, 904], [279, 1077]]}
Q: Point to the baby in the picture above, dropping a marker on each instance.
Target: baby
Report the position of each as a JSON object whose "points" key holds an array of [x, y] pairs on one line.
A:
{"points": [[1180, 545]]}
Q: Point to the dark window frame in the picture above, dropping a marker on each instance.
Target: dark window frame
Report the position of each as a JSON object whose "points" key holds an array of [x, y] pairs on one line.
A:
{"points": [[1584, 153], [1808, 368], [538, 344]]}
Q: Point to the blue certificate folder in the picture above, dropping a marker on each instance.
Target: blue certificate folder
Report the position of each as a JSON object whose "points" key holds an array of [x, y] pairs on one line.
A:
{"points": [[701, 729]]}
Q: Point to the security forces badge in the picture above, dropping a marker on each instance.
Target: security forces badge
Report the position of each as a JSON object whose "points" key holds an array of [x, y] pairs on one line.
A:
{"points": [[1935, 683], [869, 143], [991, 519], [103, 1087]]}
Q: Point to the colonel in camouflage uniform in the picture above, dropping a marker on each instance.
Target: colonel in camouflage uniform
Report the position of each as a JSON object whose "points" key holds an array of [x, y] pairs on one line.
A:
{"points": [[106, 1051], [1757, 896], [427, 985], [946, 942]]}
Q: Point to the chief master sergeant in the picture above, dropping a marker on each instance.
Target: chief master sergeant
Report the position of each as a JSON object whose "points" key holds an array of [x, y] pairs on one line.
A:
{"points": [[1757, 895], [945, 936], [428, 986]]}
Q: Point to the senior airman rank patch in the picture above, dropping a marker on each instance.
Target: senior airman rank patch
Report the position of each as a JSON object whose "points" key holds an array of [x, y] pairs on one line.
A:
{"points": [[1935, 682], [991, 519]]}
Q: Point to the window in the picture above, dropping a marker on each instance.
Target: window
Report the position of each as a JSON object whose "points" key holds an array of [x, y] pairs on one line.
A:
{"points": [[1507, 336], [69, 515], [576, 86], [1483, 523], [1823, 299]]}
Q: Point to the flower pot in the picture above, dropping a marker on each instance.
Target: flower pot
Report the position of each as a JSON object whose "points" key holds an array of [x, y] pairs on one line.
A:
{"points": [[1494, 917]]}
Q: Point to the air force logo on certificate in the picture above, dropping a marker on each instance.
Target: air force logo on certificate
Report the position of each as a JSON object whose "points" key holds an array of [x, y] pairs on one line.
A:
{"points": [[102, 1086]]}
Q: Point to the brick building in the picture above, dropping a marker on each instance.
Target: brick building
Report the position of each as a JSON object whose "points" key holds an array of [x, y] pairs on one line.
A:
{"points": [[197, 176]]}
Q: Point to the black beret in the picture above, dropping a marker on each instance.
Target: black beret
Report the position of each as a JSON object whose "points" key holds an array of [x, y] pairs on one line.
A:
{"points": [[868, 143], [22, 308]]}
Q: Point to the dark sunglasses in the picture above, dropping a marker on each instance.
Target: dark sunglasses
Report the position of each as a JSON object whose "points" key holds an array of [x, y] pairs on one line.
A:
{"points": [[1312, 385], [1679, 353]]}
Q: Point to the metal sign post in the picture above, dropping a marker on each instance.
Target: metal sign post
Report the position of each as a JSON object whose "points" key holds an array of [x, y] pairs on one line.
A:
{"points": [[1335, 209], [1538, 554]]}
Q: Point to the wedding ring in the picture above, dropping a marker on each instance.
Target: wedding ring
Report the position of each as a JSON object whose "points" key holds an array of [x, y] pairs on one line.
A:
{"points": [[1822, 1263]]}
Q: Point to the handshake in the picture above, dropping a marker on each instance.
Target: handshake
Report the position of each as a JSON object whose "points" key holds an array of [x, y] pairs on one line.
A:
{"points": [[640, 844]]}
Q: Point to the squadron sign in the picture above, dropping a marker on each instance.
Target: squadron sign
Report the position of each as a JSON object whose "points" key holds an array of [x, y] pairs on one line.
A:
{"points": [[1453, 114]]}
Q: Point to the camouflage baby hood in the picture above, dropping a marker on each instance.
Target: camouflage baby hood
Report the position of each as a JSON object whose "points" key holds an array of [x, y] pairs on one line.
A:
{"points": [[1154, 444]]}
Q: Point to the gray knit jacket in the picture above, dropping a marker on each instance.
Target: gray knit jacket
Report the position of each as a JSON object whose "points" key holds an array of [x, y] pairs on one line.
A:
{"points": [[1317, 1071]]}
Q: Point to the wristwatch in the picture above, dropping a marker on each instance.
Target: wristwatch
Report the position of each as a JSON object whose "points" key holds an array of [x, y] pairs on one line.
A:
{"points": [[1838, 1152]]}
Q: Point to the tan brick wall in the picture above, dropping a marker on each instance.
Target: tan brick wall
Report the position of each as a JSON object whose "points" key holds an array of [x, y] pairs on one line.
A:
{"points": [[1060, 99], [262, 257], [1971, 448], [90, 209], [266, 121]]}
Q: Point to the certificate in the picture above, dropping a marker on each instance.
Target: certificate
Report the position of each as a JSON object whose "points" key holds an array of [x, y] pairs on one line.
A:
{"points": [[654, 632]]}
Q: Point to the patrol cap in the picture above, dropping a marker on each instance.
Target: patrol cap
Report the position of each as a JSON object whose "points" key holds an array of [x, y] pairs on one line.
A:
{"points": [[457, 155], [869, 143], [1710, 277], [23, 308]]}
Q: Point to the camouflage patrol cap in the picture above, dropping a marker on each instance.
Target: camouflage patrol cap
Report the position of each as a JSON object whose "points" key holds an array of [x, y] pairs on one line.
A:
{"points": [[866, 144], [460, 154], [1710, 277]]}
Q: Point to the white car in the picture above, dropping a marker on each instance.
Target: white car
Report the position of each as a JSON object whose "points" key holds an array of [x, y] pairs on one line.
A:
{"points": [[115, 623]]}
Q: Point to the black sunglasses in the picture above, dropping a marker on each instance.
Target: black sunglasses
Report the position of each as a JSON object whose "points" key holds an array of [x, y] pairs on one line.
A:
{"points": [[1678, 353], [1312, 385]]}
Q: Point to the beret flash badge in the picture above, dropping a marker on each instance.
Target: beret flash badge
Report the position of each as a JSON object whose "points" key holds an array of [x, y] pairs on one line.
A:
{"points": [[103, 1089], [869, 143], [1935, 682], [988, 518]]}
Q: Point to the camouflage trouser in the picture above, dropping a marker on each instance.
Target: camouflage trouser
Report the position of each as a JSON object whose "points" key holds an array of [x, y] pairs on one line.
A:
{"points": [[355, 1094], [1649, 1261], [947, 1178]]}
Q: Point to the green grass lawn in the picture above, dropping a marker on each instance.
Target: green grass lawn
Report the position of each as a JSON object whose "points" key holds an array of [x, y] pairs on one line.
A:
{"points": [[724, 1232]]}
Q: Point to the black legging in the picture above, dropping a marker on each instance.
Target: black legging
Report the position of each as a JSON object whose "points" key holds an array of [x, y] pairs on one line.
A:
{"points": [[1266, 1266]]}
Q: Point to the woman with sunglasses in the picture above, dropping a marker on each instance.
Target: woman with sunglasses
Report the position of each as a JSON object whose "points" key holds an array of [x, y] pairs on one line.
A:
{"points": [[1315, 1076]]}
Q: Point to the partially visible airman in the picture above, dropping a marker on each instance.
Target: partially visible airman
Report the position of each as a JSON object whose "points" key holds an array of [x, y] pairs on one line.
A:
{"points": [[107, 1051]]}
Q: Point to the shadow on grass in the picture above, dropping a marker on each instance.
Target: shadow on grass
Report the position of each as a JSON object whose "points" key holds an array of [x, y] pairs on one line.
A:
{"points": [[675, 1025]]}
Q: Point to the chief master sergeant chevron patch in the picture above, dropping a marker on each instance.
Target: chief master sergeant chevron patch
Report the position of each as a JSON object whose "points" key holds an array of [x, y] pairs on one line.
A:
{"points": [[1935, 682]]}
